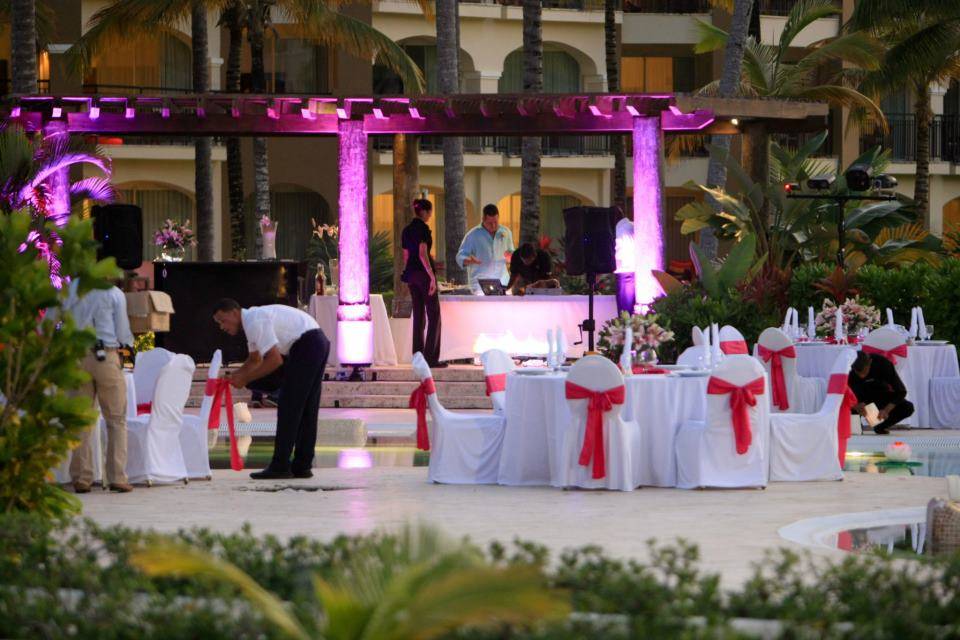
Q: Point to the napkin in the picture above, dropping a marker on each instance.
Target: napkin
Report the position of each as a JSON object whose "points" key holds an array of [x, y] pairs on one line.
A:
{"points": [[838, 334], [796, 323], [706, 337], [811, 324], [913, 322], [788, 320], [626, 358], [890, 322], [921, 325], [715, 353], [550, 348], [561, 350], [241, 412]]}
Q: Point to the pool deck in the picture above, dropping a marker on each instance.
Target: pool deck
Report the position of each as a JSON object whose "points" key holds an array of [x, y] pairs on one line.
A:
{"points": [[732, 528]]}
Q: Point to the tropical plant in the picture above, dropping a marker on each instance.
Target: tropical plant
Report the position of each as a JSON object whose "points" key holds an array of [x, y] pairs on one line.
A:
{"points": [[39, 416], [922, 47], [530, 146], [734, 269], [323, 247], [419, 587]]}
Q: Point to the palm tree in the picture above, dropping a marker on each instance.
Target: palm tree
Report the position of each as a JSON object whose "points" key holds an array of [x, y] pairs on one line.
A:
{"points": [[203, 147], [419, 586], [23, 46], [611, 48], [923, 47], [530, 146], [406, 181], [448, 83], [232, 19]]}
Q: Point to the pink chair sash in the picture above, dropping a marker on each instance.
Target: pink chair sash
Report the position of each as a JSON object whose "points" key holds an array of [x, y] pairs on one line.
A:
{"points": [[838, 385], [418, 401], [734, 347], [222, 395], [144, 408], [599, 403], [741, 398], [777, 380], [890, 355], [496, 382]]}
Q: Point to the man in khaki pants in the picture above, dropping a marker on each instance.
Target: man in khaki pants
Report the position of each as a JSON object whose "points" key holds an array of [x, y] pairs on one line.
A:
{"points": [[104, 311]]}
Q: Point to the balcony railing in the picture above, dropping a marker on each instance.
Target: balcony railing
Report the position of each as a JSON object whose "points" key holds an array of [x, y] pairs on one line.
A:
{"points": [[6, 85], [132, 90], [779, 7], [551, 146], [580, 5], [901, 140], [666, 6]]}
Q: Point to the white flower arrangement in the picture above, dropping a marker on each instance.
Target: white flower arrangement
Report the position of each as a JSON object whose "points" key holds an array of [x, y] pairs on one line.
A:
{"points": [[856, 316], [646, 333]]}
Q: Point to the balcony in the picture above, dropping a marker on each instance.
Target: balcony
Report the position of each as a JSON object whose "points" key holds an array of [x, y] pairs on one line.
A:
{"points": [[666, 6], [577, 5], [901, 140], [43, 86], [551, 146]]}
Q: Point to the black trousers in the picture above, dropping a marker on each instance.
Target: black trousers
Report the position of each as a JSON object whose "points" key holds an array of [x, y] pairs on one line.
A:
{"points": [[426, 310], [881, 396], [299, 401]]}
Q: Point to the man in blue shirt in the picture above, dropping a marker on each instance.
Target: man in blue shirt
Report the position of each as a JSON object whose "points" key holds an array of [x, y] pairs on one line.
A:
{"points": [[486, 250]]}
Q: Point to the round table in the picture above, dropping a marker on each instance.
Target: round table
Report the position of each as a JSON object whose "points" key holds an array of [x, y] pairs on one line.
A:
{"points": [[537, 415]]}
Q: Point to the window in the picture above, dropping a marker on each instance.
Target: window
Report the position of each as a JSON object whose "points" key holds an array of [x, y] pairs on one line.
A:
{"points": [[158, 205], [293, 210], [649, 74], [561, 73], [386, 82], [157, 63], [302, 67]]}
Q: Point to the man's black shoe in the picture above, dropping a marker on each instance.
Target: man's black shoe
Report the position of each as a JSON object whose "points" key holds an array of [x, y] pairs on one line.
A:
{"points": [[439, 365], [881, 431], [270, 474], [306, 473]]}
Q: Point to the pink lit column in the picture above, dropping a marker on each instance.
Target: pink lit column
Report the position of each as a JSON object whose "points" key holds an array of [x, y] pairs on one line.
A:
{"points": [[354, 325], [647, 206]]}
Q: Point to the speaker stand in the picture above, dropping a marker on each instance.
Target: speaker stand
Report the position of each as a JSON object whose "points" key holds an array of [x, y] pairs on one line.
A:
{"points": [[590, 325]]}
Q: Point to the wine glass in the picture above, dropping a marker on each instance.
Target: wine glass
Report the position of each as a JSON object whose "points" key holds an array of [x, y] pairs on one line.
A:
{"points": [[648, 356], [929, 332]]}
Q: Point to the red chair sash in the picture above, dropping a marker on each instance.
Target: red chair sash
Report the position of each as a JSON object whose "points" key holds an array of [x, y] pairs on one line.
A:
{"points": [[144, 408], [777, 380], [890, 355], [418, 402], [741, 398], [496, 382], [734, 347], [838, 385], [211, 387], [222, 395], [599, 402]]}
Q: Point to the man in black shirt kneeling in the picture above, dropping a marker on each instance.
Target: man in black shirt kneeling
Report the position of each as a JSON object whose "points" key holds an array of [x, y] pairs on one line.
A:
{"points": [[531, 267], [873, 379]]}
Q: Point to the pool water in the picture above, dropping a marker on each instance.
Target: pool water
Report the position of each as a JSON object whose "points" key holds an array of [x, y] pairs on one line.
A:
{"points": [[936, 462], [260, 453]]}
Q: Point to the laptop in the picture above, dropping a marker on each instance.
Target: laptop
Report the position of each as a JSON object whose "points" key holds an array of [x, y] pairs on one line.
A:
{"points": [[491, 287]]}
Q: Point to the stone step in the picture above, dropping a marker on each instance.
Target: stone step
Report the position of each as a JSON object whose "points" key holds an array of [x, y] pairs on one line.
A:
{"points": [[444, 389], [454, 373], [401, 402]]}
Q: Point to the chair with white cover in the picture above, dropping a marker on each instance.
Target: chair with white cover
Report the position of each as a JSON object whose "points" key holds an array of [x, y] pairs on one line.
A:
{"points": [[732, 342], [696, 356], [890, 344], [730, 449], [789, 391], [154, 454], [696, 334], [146, 370], [599, 450], [496, 365], [194, 436], [464, 448], [808, 446]]}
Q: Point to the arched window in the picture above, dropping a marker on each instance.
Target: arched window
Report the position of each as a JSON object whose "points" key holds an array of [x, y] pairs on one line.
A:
{"points": [[302, 67], [551, 213], [292, 208], [159, 204], [561, 73], [163, 62]]}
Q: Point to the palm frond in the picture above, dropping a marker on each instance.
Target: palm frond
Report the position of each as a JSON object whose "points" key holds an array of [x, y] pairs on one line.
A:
{"points": [[869, 14], [802, 15], [839, 96], [921, 55], [759, 66], [710, 37], [858, 49], [96, 189]]}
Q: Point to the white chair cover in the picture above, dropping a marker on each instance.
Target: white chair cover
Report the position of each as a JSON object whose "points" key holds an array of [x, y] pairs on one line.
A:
{"points": [[697, 337], [695, 356], [464, 448], [153, 442], [804, 446], [146, 370], [805, 395], [194, 440], [732, 341], [496, 364], [887, 339], [706, 451], [621, 439]]}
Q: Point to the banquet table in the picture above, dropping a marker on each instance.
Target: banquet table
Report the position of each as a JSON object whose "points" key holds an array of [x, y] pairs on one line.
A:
{"points": [[923, 362], [324, 311], [537, 414], [515, 324]]}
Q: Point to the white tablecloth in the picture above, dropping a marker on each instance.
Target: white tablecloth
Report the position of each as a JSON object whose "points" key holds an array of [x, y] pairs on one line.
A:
{"points": [[518, 325], [537, 413], [324, 310], [922, 364]]}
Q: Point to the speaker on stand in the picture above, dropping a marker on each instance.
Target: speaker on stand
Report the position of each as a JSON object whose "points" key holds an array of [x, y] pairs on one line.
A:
{"points": [[590, 245], [119, 230]]}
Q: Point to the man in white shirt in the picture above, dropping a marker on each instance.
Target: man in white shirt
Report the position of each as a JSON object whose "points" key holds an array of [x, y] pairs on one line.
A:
{"points": [[486, 250], [278, 335], [624, 252], [104, 311]]}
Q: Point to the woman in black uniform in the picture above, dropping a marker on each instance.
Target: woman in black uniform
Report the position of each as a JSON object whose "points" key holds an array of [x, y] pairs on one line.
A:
{"points": [[418, 273]]}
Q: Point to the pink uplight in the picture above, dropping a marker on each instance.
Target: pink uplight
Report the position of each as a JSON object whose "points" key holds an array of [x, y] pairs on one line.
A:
{"points": [[94, 113], [342, 113], [56, 112], [165, 112], [128, 113], [647, 206], [415, 114], [354, 459], [15, 112], [306, 114], [272, 113]]}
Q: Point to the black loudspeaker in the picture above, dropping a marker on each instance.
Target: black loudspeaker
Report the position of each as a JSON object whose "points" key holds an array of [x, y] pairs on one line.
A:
{"points": [[590, 240], [119, 230]]}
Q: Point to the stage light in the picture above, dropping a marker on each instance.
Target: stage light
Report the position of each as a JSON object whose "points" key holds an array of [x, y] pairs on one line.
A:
{"points": [[884, 182], [790, 187], [859, 177], [735, 121], [820, 183]]}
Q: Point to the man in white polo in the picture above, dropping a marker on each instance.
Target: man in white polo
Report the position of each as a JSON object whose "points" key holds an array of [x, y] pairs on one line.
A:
{"points": [[278, 335]]}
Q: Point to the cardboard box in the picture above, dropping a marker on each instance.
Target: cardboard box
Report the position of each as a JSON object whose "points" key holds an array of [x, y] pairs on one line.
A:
{"points": [[149, 311]]}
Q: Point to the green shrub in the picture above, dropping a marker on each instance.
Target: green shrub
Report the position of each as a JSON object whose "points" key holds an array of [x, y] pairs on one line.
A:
{"points": [[802, 293], [942, 300], [900, 289], [39, 362]]}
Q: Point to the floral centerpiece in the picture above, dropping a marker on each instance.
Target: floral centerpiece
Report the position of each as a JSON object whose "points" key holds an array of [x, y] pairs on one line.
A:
{"points": [[647, 334], [173, 238], [326, 237], [856, 316], [268, 229], [898, 451]]}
